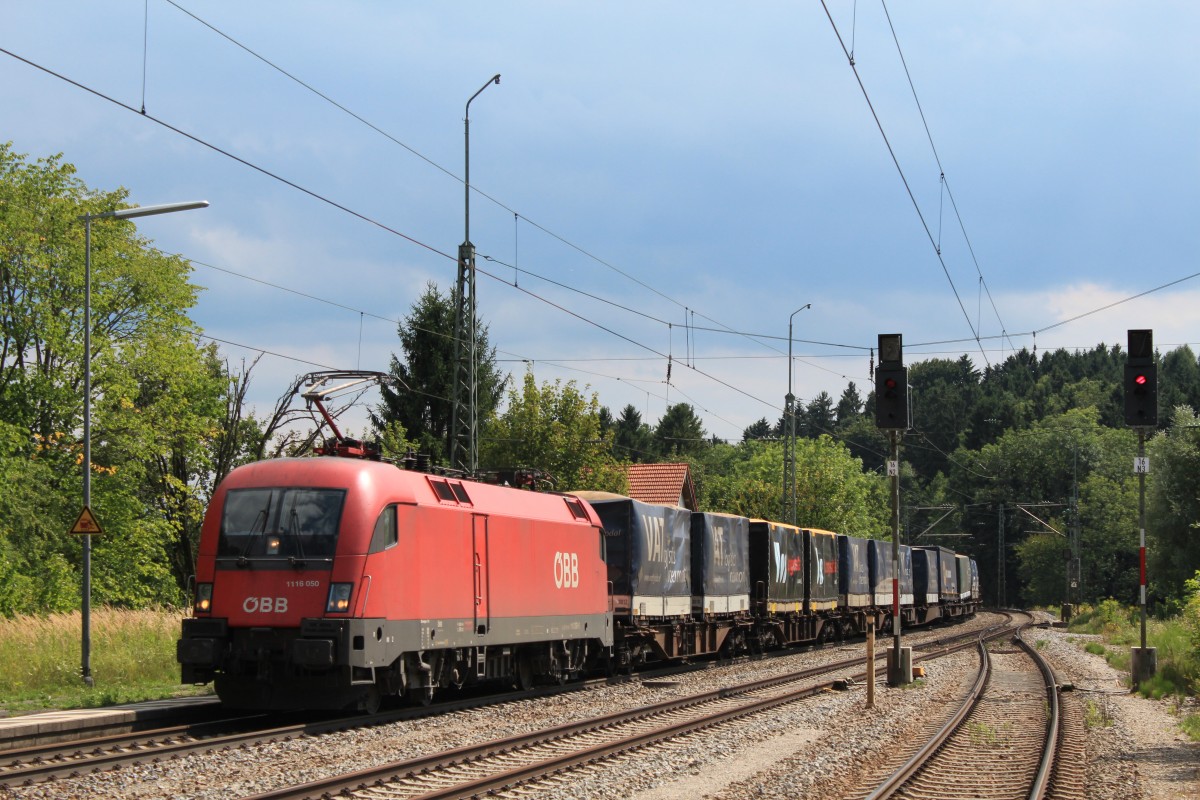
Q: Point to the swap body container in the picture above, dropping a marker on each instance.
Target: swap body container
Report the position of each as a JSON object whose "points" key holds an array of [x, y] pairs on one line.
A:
{"points": [[947, 573], [879, 556], [821, 556], [649, 555], [854, 572], [777, 566], [925, 576], [962, 566], [720, 564]]}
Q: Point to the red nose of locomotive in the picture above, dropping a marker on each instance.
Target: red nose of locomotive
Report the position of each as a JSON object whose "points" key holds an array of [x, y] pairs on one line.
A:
{"points": [[274, 558], [267, 572]]}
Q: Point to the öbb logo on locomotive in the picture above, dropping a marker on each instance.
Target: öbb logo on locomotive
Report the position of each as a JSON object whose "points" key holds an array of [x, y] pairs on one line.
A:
{"points": [[265, 605], [566, 570]]}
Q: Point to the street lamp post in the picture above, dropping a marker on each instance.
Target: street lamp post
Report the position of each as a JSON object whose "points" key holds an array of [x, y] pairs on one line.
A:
{"points": [[464, 320], [789, 439], [123, 213]]}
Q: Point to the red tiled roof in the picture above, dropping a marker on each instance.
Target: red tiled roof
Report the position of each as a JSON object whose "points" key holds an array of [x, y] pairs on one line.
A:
{"points": [[662, 483]]}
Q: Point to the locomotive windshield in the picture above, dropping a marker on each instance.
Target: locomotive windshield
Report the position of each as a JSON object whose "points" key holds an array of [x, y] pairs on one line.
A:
{"points": [[281, 523]]}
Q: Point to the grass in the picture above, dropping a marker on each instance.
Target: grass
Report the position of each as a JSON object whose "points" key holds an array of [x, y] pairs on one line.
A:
{"points": [[1096, 716], [132, 655], [1191, 726], [1177, 657]]}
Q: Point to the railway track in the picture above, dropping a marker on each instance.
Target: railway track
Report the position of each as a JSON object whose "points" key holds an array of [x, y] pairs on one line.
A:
{"points": [[519, 763], [25, 766], [1003, 740], [37, 764]]}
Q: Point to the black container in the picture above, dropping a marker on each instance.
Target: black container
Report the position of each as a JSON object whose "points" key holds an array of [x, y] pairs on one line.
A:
{"points": [[648, 552], [854, 576], [777, 565], [879, 556], [821, 570], [925, 576], [947, 573], [720, 563], [963, 568]]}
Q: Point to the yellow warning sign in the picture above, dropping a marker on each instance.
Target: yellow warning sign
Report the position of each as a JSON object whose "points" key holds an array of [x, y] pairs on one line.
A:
{"points": [[87, 523]]}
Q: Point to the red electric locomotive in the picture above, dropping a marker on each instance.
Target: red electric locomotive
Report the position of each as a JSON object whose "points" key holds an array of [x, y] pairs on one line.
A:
{"points": [[336, 582]]}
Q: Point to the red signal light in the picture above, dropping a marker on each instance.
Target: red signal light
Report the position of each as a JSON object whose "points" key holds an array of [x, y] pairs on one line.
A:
{"points": [[1140, 379], [890, 383]]}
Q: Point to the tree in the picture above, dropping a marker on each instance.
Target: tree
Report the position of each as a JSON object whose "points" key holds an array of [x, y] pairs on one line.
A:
{"points": [[427, 370], [943, 394], [1039, 465], [679, 432], [632, 439], [759, 430], [554, 428], [1173, 503], [832, 491], [849, 406], [159, 396], [818, 417], [1178, 381]]}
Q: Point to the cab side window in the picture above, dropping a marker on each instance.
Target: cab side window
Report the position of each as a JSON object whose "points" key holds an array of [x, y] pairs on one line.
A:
{"points": [[385, 534]]}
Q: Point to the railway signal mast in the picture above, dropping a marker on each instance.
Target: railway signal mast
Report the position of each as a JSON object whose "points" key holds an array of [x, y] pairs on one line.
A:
{"points": [[891, 414], [1141, 413]]}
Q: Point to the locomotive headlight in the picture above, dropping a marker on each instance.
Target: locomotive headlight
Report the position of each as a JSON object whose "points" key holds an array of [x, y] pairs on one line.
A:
{"points": [[204, 597], [339, 598], [273, 546]]}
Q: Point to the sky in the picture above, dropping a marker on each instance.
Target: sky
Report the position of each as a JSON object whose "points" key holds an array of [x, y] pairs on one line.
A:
{"points": [[657, 188]]}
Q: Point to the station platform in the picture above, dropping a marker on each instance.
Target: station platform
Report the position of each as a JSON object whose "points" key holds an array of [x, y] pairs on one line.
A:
{"points": [[80, 723]]}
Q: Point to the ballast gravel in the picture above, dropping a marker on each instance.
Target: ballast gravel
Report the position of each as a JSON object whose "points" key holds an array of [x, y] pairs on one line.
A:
{"points": [[809, 749]]}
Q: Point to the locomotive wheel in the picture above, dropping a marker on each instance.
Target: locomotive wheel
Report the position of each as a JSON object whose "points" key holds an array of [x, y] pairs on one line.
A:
{"points": [[524, 673], [421, 694], [373, 700]]}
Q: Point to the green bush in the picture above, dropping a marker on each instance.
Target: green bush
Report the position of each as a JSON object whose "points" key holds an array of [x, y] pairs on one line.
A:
{"points": [[1177, 641], [1158, 687], [1191, 726]]}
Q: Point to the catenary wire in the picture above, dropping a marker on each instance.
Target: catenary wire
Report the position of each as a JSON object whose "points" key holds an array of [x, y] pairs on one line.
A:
{"points": [[356, 214], [903, 178], [945, 181], [446, 171]]}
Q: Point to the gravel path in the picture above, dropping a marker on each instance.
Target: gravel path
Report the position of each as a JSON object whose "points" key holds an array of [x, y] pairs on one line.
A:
{"points": [[812, 749]]}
